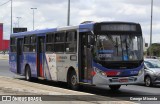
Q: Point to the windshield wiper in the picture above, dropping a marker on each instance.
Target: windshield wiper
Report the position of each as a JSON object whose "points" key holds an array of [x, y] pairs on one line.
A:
{"points": [[116, 45], [126, 47]]}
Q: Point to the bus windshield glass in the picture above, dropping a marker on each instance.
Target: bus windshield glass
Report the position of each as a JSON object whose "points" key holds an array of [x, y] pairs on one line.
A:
{"points": [[118, 47]]}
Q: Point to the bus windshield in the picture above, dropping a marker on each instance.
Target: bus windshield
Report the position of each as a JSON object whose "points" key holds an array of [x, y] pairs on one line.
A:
{"points": [[118, 47]]}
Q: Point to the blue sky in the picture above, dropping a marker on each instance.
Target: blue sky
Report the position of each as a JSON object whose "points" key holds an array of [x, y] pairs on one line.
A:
{"points": [[53, 13]]}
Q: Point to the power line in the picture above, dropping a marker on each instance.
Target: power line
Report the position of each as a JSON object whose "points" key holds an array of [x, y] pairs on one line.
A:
{"points": [[5, 3]]}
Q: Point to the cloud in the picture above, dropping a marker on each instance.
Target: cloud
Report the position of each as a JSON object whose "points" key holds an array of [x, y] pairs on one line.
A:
{"points": [[53, 13]]}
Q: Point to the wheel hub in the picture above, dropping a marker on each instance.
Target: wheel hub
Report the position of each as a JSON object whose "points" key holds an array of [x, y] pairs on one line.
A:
{"points": [[148, 81], [27, 75], [74, 80]]}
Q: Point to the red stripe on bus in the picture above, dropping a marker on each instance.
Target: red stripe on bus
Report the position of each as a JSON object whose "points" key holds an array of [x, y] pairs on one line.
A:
{"points": [[41, 70]]}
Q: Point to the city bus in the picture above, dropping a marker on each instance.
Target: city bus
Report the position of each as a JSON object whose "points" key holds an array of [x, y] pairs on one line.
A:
{"points": [[92, 53]]}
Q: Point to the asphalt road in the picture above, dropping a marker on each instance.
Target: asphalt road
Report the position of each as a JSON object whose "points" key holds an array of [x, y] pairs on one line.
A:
{"points": [[4, 70], [129, 90]]}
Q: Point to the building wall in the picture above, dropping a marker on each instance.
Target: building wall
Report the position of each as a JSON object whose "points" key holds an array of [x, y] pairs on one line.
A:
{"points": [[4, 44]]}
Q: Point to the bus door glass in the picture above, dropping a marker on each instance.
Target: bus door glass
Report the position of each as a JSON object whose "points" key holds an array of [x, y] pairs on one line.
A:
{"points": [[19, 55], [40, 56], [86, 58]]}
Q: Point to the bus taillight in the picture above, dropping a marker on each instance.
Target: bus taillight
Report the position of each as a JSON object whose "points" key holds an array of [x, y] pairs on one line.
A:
{"points": [[93, 73]]}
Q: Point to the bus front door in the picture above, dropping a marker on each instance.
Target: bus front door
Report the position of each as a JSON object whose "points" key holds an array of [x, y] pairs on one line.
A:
{"points": [[40, 56], [19, 55], [86, 59]]}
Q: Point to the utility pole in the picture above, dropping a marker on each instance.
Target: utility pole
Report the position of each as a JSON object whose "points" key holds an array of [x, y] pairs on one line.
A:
{"points": [[68, 19], [18, 20], [33, 16], [11, 16], [150, 53]]}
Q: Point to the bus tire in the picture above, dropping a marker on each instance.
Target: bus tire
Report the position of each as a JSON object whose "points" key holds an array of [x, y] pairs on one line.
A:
{"points": [[28, 73], [72, 81], [114, 87]]}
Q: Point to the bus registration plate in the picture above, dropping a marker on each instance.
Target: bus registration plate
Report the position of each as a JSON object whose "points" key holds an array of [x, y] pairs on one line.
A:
{"points": [[123, 80]]}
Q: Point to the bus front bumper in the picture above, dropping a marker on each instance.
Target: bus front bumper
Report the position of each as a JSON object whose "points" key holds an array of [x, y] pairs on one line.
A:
{"points": [[103, 80]]}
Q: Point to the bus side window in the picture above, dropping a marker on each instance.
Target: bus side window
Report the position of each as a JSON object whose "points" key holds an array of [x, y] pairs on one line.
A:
{"points": [[33, 44], [71, 41], [59, 42], [49, 42], [42, 46], [13, 44], [29, 43]]}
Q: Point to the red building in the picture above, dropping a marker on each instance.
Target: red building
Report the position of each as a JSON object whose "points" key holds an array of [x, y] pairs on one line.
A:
{"points": [[4, 44]]}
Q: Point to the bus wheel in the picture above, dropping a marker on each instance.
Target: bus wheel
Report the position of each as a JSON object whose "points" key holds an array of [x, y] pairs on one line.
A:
{"points": [[28, 73], [114, 87], [148, 81], [73, 81]]}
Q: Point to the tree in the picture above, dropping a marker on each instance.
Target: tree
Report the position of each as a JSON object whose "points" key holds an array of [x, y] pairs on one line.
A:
{"points": [[155, 50]]}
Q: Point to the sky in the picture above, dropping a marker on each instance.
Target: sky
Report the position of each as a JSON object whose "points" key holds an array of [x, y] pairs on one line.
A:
{"points": [[53, 13]]}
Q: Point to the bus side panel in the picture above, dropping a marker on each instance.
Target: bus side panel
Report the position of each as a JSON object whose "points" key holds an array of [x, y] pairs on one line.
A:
{"points": [[46, 70], [50, 70], [13, 62], [21, 58], [30, 59], [64, 62]]}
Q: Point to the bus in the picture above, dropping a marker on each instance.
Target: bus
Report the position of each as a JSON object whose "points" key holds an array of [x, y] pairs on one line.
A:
{"points": [[92, 53]]}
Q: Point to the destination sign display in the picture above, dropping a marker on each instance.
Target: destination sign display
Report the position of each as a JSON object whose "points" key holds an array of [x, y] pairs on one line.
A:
{"points": [[118, 27]]}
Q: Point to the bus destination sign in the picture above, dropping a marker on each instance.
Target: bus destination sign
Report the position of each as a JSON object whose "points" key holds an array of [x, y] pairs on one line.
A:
{"points": [[118, 27]]}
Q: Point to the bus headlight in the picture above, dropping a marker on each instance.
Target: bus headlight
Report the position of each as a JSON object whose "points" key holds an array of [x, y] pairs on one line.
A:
{"points": [[103, 73], [100, 71], [96, 70], [140, 72]]}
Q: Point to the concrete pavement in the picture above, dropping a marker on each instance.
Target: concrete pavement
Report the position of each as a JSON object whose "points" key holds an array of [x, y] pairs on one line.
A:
{"points": [[4, 57], [20, 87]]}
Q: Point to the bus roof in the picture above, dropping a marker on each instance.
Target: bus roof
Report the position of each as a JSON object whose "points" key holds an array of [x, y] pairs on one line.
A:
{"points": [[82, 27], [34, 32]]}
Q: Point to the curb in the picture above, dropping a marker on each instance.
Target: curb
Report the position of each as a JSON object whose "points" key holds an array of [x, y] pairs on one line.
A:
{"points": [[4, 57]]}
